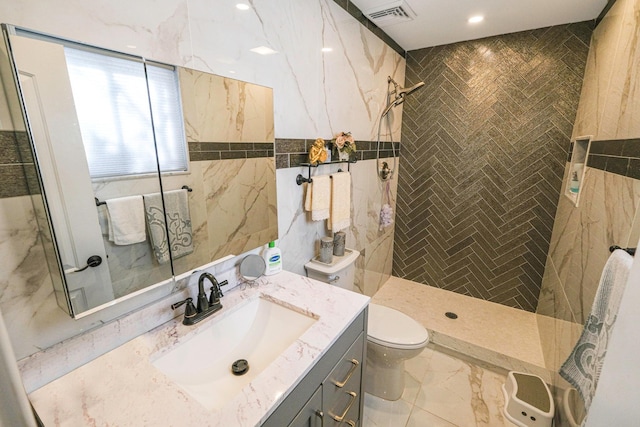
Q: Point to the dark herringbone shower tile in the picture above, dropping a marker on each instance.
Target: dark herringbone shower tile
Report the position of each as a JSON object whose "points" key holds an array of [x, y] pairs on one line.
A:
{"points": [[483, 154]]}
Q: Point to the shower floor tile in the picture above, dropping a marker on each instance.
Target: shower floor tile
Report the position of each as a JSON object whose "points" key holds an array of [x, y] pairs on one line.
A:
{"points": [[484, 330]]}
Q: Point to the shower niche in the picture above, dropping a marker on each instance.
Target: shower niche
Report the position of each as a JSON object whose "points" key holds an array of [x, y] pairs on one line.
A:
{"points": [[575, 180]]}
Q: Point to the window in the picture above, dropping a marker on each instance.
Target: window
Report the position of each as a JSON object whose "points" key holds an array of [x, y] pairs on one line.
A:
{"points": [[113, 95]]}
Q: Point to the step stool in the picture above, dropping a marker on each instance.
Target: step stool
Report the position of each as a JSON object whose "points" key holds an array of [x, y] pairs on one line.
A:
{"points": [[527, 400]]}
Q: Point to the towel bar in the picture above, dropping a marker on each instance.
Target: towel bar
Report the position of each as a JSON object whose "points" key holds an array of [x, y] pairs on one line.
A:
{"points": [[630, 251], [100, 203], [300, 178]]}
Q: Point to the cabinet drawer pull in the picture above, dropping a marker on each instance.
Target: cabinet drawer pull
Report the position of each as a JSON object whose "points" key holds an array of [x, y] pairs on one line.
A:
{"points": [[341, 384], [354, 396], [351, 423]]}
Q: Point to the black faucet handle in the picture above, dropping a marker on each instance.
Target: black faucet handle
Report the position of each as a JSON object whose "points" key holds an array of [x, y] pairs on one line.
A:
{"points": [[223, 283], [190, 309], [179, 304]]}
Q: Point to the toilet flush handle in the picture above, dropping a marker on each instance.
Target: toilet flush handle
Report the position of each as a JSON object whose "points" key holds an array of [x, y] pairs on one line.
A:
{"points": [[334, 280]]}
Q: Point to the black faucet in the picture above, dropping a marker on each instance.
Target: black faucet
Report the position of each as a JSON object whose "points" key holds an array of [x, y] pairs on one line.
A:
{"points": [[216, 292], [206, 307]]}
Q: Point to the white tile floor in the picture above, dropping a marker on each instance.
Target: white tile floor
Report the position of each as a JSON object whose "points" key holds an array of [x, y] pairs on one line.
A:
{"points": [[441, 391]]}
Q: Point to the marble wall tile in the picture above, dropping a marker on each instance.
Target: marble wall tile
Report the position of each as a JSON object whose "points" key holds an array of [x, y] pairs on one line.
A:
{"points": [[156, 31], [220, 109], [619, 119], [378, 263], [598, 73], [27, 296], [607, 214], [298, 30], [550, 282], [299, 235]]}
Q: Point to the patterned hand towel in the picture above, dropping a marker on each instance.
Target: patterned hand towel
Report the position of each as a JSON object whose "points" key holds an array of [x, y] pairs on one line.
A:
{"points": [[582, 367], [340, 201], [318, 197], [179, 224], [125, 216]]}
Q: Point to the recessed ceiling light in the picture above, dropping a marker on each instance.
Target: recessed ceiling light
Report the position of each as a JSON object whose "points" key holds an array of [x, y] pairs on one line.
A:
{"points": [[243, 6], [232, 72], [327, 49], [131, 46], [476, 19], [263, 50]]}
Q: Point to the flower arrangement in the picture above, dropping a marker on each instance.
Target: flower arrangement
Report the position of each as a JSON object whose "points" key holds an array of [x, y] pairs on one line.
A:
{"points": [[345, 145]]}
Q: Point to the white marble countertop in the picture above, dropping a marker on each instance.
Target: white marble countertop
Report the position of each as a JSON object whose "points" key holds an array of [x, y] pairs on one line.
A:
{"points": [[123, 388]]}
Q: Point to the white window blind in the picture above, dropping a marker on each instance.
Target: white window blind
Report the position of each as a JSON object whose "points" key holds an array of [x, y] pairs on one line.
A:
{"points": [[112, 103], [164, 92]]}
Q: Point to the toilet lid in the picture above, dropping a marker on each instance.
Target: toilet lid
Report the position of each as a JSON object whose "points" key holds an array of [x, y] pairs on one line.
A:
{"points": [[392, 328]]}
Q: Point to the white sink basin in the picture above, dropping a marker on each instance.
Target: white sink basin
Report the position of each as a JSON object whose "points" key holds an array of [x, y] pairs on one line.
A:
{"points": [[258, 331]]}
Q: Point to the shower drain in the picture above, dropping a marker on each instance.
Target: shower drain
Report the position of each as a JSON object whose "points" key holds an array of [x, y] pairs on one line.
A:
{"points": [[451, 315]]}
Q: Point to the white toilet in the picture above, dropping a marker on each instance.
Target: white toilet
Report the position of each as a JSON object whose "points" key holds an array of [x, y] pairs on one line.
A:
{"points": [[392, 336]]}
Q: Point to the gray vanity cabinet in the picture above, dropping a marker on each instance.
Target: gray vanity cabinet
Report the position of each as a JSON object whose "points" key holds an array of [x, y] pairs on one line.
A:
{"points": [[311, 414], [332, 394], [342, 389]]}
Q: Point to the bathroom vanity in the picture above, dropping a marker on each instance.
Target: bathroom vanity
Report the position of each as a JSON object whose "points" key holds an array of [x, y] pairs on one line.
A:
{"points": [[319, 374]]}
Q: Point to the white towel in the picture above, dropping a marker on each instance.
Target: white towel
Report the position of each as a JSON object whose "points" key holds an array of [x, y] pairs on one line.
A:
{"points": [[582, 367], [340, 201], [318, 198], [125, 217]]}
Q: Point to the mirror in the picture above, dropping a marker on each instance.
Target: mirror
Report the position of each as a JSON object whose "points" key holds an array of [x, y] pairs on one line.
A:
{"points": [[129, 152], [233, 203], [252, 268]]}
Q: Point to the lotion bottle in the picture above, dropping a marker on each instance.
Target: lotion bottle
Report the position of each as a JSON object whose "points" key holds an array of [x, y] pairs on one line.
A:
{"points": [[273, 259]]}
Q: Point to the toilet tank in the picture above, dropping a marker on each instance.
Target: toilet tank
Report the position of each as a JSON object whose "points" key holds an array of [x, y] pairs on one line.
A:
{"points": [[340, 272]]}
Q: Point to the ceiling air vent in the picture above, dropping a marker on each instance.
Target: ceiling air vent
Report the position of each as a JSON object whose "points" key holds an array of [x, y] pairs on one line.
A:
{"points": [[390, 13]]}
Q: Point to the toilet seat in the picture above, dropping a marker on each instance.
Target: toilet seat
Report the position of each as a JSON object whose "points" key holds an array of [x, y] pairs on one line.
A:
{"points": [[391, 328]]}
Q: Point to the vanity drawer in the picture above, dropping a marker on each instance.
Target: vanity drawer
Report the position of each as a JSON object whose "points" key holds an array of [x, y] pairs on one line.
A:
{"points": [[342, 389]]}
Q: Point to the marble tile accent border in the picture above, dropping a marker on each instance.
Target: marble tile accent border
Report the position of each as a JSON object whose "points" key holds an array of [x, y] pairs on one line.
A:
{"points": [[199, 151], [357, 13], [621, 157], [14, 156], [291, 153]]}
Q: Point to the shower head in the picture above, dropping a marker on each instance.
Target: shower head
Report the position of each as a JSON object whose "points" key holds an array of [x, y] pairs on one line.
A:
{"points": [[404, 91], [400, 94]]}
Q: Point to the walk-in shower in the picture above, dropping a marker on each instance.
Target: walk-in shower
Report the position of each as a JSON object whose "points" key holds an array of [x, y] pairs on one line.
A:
{"points": [[399, 94]]}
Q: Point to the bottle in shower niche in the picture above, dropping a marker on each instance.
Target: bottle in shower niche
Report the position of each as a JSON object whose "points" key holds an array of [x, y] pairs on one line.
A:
{"points": [[273, 259], [574, 186]]}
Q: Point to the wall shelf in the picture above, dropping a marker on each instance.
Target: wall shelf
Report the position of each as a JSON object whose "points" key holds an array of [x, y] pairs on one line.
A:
{"points": [[579, 154]]}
